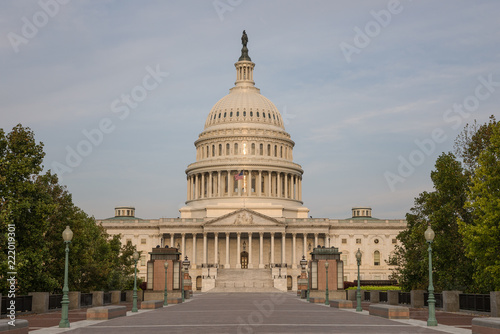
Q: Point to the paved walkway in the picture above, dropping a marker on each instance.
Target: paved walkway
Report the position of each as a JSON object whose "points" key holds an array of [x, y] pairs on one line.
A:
{"points": [[250, 313]]}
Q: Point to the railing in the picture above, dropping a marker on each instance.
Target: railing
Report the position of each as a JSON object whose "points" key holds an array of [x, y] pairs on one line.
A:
{"points": [[210, 265], [23, 304], [55, 301], [85, 299], [404, 298], [375, 282], [437, 296], [106, 298], [278, 265], [123, 297], [367, 295], [383, 297], [475, 302]]}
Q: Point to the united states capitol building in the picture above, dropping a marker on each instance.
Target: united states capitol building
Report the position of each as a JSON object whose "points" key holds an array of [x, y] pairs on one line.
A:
{"points": [[244, 216]]}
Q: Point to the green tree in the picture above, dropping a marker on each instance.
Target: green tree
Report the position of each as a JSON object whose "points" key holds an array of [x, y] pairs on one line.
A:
{"points": [[482, 235], [40, 209]]}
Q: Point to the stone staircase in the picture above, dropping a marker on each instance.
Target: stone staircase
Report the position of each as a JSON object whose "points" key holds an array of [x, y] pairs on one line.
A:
{"points": [[244, 280]]}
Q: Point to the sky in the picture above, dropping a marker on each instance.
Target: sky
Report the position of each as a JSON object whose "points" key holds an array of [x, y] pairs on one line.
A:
{"points": [[372, 92]]}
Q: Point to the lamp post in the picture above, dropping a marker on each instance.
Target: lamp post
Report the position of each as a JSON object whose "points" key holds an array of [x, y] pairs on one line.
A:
{"points": [[185, 264], [303, 264], [327, 297], [165, 303], [431, 321], [135, 256], [64, 323], [358, 292]]}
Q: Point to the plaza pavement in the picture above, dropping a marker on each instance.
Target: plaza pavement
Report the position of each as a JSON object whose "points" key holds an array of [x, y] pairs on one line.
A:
{"points": [[251, 313]]}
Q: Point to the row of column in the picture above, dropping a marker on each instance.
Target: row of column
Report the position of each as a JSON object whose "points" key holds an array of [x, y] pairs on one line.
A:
{"points": [[254, 183], [238, 247]]}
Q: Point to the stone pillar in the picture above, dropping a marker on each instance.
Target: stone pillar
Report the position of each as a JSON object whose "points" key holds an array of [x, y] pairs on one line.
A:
{"points": [[216, 248], [196, 184], [393, 297], [315, 240], [219, 186], [269, 187], [285, 181], [188, 184], [210, 184], [495, 303], [205, 246], [272, 247], [283, 247], [230, 184], [300, 189], [451, 302], [305, 245], [278, 182], [294, 258], [74, 300], [183, 244], [259, 185], [250, 264], [374, 296], [238, 250], [97, 298], [227, 265], [193, 256], [116, 296], [172, 240], [39, 302], [296, 187], [417, 298], [202, 195], [261, 250]]}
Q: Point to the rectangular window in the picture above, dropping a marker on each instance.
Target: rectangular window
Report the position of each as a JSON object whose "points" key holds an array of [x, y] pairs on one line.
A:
{"points": [[394, 241], [344, 241], [143, 241], [358, 241]]}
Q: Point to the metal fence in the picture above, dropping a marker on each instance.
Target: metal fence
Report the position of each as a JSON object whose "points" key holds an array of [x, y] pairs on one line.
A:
{"points": [[106, 298], [23, 304], [383, 297], [404, 298], [437, 296], [85, 299], [123, 296], [55, 301], [475, 302], [367, 295]]}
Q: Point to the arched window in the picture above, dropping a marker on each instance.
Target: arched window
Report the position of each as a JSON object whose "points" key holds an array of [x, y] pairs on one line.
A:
{"points": [[253, 149], [213, 150], [264, 114], [228, 148], [258, 114], [224, 114], [376, 258], [261, 149], [281, 151], [231, 114], [269, 149], [235, 148], [244, 114], [220, 149], [208, 154], [275, 150], [219, 115], [237, 114], [269, 115], [251, 113]]}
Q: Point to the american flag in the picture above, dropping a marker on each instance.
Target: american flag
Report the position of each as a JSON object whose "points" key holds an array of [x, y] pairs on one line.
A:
{"points": [[238, 176]]}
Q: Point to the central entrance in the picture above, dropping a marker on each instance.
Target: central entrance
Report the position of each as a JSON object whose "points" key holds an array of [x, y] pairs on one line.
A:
{"points": [[244, 260]]}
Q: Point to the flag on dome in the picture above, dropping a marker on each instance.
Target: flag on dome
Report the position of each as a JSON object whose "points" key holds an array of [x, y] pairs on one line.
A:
{"points": [[239, 176]]}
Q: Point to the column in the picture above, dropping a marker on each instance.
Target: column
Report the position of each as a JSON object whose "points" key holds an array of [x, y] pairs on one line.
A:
{"points": [[204, 247], [300, 188], [294, 259], [196, 186], [305, 245], [183, 244], [272, 247], [250, 265], [316, 239], [283, 247], [238, 250], [327, 240], [202, 185], [259, 185], [216, 248], [210, 184], [278, 181], [296, 188], [219, 191], [269, 174], [172, 240], [261, 250], [249, 186], [230, 184], [188, 183], [227, 265], [193, 257]]}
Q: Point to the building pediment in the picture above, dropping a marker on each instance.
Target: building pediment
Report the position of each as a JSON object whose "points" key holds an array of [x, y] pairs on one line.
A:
{"points": [[244, 218]]}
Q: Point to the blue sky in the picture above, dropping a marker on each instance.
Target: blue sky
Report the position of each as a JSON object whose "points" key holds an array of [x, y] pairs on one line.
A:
{"points": [[371, 91]]}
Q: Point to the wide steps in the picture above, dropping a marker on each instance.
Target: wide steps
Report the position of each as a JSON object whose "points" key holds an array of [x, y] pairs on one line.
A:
{"points": [[244, 280]]}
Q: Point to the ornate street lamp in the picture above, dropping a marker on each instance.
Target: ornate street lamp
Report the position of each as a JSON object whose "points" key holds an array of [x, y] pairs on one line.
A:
{"points": [[64, 323], [185, 264], [165, 303], [327, 297], [358, 292], [135, 256], [431, 321]]}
